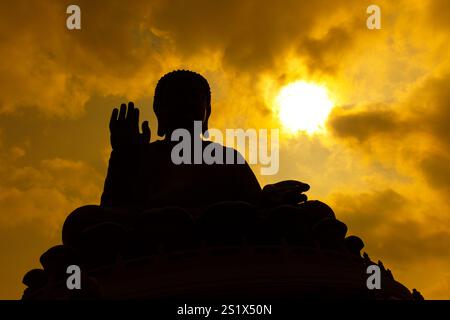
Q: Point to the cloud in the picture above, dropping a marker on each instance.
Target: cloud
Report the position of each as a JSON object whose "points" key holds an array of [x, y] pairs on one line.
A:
{"points": [[430, 106], [364, 124], [46, 193], [436, 169], [408, 245], [407, 227], [35, 199], [253, 37], [320, 53], [439, 14], [123, 50], [421, 119], [56, 70]]}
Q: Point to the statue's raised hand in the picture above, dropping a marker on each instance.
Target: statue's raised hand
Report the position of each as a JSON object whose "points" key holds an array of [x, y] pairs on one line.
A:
{"points": [[285, 192], [124, 128]]}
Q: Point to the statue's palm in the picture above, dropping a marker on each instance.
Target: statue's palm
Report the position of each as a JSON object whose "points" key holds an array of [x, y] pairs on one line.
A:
{"points": [[124, 128], [285, 192]]}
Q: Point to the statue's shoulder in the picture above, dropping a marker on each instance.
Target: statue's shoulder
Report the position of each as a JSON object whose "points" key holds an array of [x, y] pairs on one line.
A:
{"points": [[230, 155]]}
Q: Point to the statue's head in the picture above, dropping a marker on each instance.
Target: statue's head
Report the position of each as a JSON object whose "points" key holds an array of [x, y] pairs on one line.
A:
{"points": [[181, 97]]}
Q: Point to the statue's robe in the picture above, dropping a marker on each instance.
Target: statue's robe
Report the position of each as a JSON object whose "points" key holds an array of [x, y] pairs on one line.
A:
{"points": [[147, 178]]}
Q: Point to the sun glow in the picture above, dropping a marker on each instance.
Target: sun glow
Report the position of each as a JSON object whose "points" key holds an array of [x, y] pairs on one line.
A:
{"points": [[303, 106]]}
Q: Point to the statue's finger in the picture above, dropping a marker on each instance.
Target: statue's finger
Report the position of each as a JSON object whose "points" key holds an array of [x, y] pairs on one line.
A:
{"points": [[135, 120], [302, 198], [292, 197], [146, 133], [302, 187], [112, 121], [122, 112], [130, 112], [290, 185]]}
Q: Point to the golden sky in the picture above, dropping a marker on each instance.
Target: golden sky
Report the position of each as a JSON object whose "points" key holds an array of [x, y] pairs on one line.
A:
{"points": [[382, 162]]}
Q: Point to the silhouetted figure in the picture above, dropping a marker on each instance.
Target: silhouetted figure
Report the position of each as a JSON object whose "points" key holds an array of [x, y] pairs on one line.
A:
{"points": [[143, 175], [416, 295], [151, 207]]}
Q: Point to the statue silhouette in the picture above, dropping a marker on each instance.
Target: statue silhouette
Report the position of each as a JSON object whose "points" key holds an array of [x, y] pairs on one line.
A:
{"points": [[142, 176], [279, 244]]}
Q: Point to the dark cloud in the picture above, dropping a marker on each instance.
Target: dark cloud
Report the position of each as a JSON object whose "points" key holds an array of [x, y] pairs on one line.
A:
{"points": [[436, 168], [405, 241], [439, 13], [253, 37], [430, 107], [320, 54], [365, 123], [369, 209], [424, 115], [123, 49], [427, 111]]}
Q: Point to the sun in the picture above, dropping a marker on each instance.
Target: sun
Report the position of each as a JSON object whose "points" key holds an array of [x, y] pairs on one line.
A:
{"points": [[303, 106]]}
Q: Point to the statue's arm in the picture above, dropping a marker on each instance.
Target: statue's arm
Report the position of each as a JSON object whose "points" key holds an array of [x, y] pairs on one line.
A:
{"points": [[121, 179], [127, 143], [288, 192]]}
